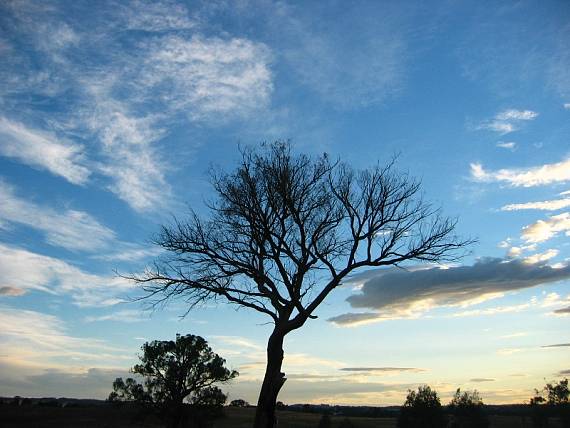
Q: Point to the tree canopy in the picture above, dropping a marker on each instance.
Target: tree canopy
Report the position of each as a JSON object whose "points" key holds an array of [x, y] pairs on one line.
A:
{"points": [[422, 409], [174, 371]]}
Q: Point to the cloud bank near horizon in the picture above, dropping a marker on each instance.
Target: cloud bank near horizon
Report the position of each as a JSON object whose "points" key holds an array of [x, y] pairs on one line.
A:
{"points": [[392, 293]]}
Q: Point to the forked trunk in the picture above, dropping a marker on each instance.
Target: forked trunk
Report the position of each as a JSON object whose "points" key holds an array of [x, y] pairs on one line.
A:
{"points": [[272, 382]]}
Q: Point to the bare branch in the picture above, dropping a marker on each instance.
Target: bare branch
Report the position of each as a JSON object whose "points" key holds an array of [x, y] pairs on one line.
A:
{"points": [[285, 229]]}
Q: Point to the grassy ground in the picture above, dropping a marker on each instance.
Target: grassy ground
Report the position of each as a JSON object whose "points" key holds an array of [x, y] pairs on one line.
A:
{"points": [[243, 418], [112, 417]]}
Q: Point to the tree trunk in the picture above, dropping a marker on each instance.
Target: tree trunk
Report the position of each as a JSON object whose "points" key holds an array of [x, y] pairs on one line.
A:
{"points": [[272, 382]]}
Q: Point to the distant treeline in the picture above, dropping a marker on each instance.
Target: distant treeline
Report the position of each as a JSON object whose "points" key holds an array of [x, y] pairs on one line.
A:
{"points": [[394, 411]]}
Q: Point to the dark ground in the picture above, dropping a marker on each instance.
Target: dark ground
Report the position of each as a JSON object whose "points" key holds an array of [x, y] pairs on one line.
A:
{"points": [[106, 416]]}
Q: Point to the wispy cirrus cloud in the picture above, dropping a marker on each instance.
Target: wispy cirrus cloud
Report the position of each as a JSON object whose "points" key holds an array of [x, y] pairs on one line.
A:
{"points": [[238, 341], [38, 339], [524, 177], [510, 145], [551, 205], [43, 150], [513, 114], [146, 68], [206, 76], [40, 356], [71, 229], [125, 315], [396, 294], [156, 16], [23, 270], [507, 121], [376, 370], [324, 60], [508, 351], [129, 253], [493, 311]]}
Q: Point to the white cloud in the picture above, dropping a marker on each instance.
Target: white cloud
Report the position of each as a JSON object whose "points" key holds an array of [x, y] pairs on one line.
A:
{"points": [[541, 257], [554, 299], [525, 177], [553, 205], [240, 342], [494, 311], [511, 145], [500, 127], [508, 351], [514, 335], [24, 270], [206, 76], [38, 339], [41, 358], [513, 114], [130, 253], [543, 230], [157, 16], [154, 70], [567, 106], [504, 244], [125, 315], [43, 150], [383, 369], [203, 78], [394, 293], [71, 229], [323, 57], [505, 122], [514, 252]]}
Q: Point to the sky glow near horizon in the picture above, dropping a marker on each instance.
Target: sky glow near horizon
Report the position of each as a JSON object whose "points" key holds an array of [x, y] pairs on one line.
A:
{"points": [[110, 114]]}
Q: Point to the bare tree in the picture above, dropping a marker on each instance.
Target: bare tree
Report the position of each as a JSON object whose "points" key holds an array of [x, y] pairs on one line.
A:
{"points": [[284, 230]]}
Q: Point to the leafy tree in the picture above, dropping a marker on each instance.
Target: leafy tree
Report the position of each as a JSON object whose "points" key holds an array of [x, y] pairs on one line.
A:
{"points": [[538, 411], [557, 393], [239, 403], [422, 409], [555, 402], [467, 410], [128, 390], [284, 231], [174, 371]]}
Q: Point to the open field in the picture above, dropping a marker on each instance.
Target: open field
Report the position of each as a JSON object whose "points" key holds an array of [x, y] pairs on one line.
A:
{"points": [[113, 417]]}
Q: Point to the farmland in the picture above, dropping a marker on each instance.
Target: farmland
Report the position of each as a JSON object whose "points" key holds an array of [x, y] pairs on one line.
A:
{"points": [[105, 416]]}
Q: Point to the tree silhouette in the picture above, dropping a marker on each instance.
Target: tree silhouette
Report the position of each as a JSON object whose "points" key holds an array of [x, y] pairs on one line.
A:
{"points": [[556, 402], [422, 409], [174, 371], [467, 410], [239, 403], [284, 231]]}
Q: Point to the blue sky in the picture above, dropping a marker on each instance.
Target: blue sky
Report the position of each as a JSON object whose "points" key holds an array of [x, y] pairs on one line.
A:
{"points": [[111, 113]]}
